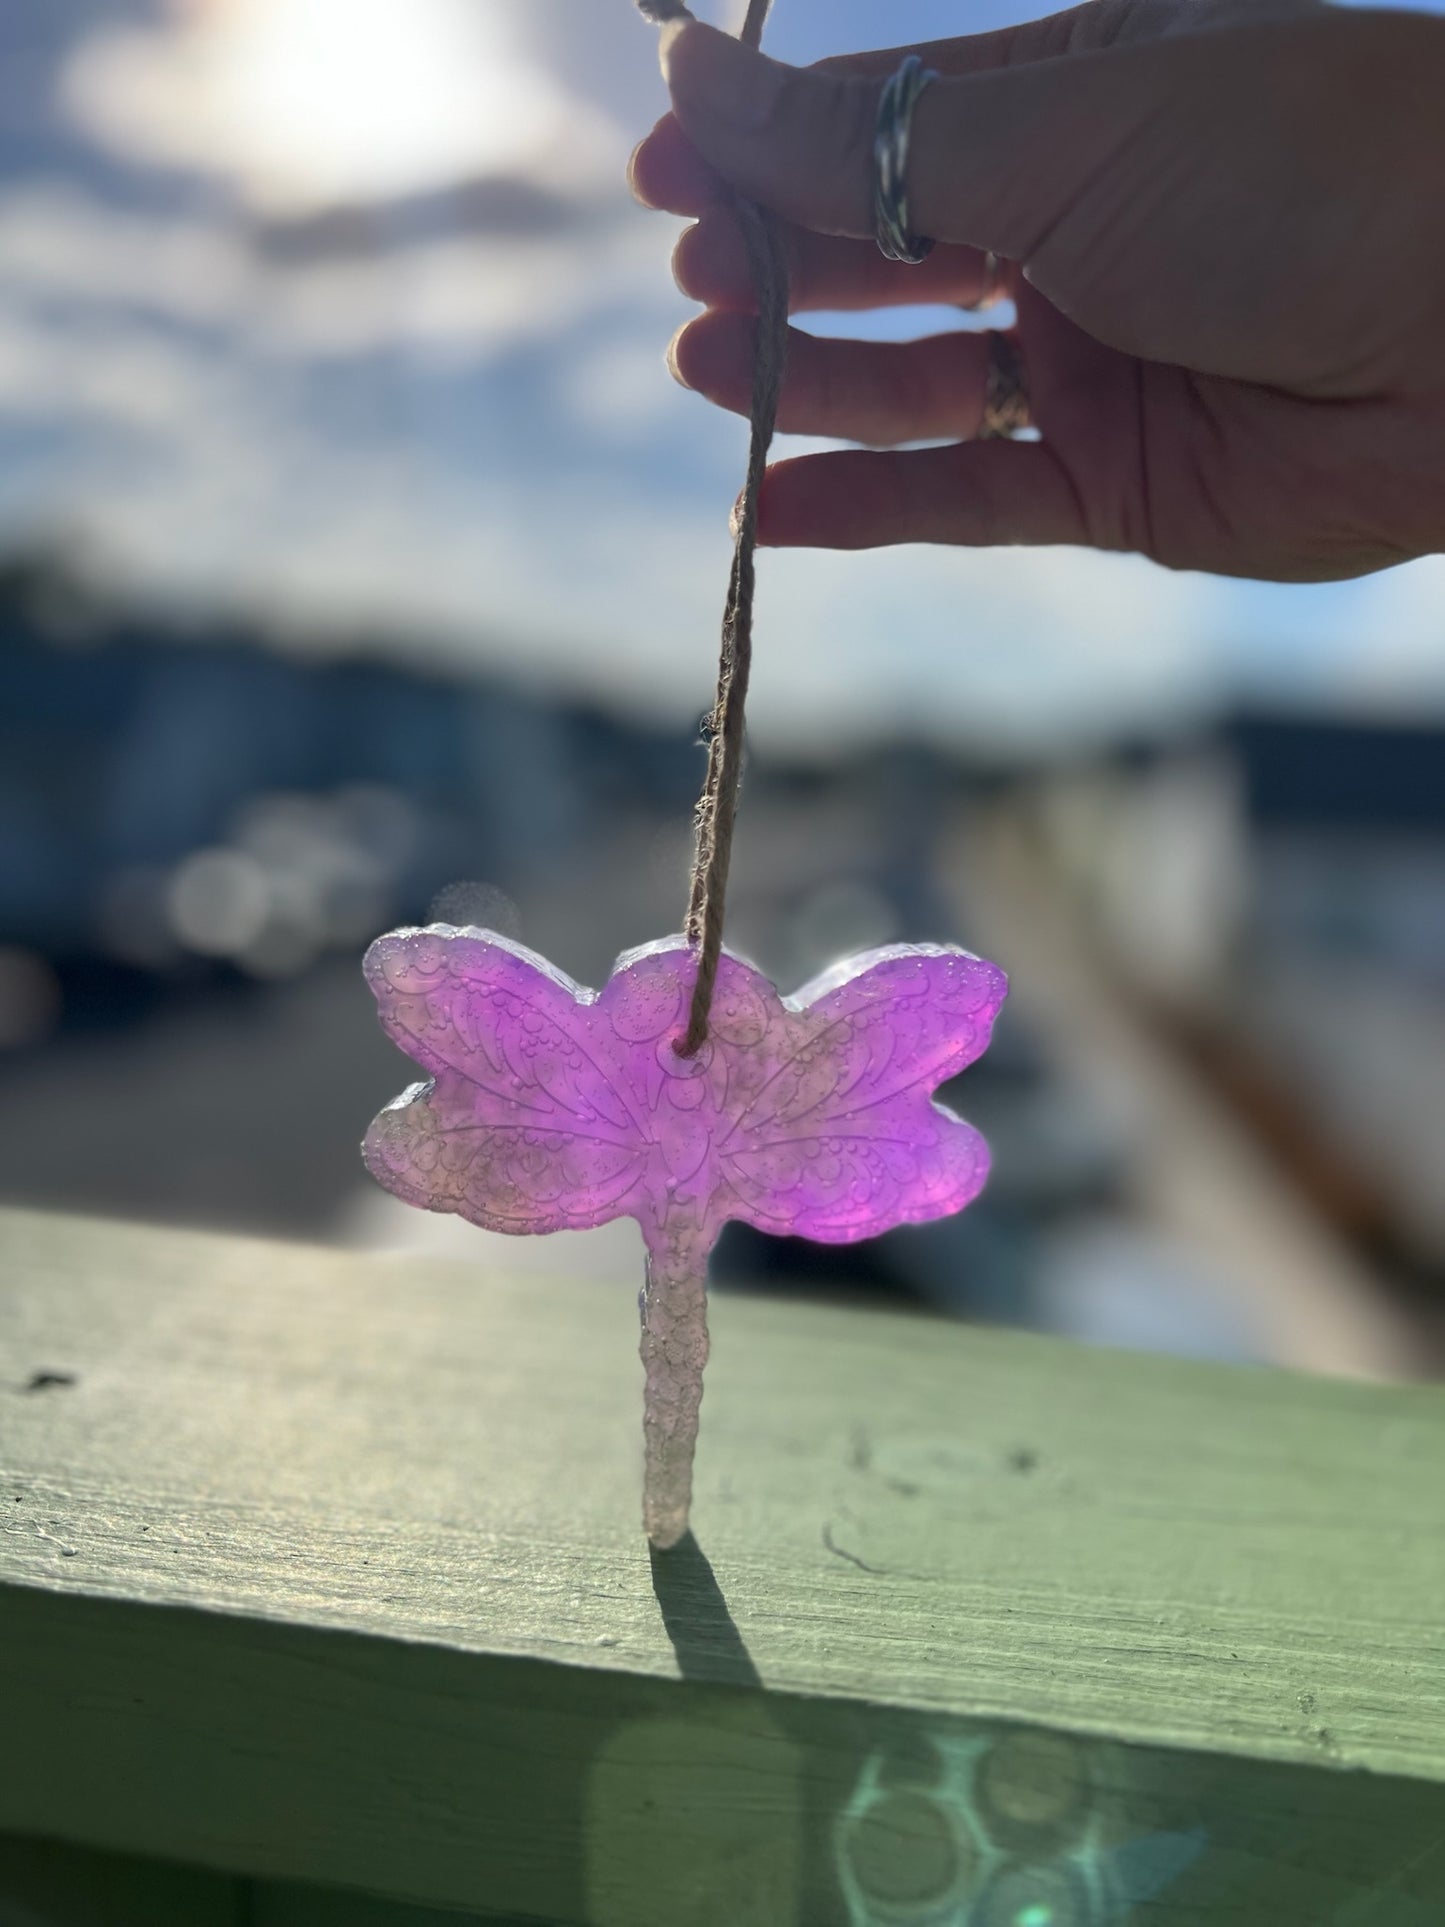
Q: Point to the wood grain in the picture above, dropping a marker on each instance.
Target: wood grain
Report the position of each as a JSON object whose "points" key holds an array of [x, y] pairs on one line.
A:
{"points": [[330, 1568]]}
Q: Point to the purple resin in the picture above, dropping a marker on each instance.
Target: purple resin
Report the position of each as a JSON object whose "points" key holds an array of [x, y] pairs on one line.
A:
{"points": [[550, 1107]]}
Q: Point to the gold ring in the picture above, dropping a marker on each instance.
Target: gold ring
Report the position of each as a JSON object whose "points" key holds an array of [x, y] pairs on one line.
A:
{"points": [[1005, 391]]}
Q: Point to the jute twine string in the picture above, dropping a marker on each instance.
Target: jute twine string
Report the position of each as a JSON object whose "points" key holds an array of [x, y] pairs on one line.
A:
{"points": [[718, 804]]}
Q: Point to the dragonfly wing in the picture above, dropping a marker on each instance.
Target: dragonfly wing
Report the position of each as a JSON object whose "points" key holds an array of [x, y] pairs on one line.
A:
{"points": [[843, 1139], [521, 1127]]}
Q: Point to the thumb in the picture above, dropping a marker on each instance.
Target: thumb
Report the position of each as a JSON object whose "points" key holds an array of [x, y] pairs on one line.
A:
{"points": [[997, 155]]}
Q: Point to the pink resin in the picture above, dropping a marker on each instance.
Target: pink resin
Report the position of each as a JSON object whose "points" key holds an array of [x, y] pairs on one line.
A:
{"points": [[551, 1107]]}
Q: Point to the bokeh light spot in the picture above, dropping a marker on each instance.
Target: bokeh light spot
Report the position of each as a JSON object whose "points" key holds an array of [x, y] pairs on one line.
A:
{"points": [[219, 902]]}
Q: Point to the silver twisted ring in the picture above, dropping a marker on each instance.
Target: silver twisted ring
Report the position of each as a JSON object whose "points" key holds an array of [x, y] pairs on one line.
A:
{"points": [[1005, 391], [890, 161]]}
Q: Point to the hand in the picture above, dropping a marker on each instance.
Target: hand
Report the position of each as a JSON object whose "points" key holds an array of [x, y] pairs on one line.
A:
{"points": [[1223, 232]]}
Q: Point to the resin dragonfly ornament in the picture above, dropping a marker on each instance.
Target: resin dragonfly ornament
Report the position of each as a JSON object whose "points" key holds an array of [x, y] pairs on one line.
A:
{"points": [[550, 1107], [686, 1091]]}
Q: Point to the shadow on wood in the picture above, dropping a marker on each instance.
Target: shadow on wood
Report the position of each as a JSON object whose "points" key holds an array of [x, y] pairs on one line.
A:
{"points": [[703, 1633]]}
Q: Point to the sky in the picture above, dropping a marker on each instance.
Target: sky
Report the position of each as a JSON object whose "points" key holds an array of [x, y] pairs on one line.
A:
{"points": [[338, 311]]}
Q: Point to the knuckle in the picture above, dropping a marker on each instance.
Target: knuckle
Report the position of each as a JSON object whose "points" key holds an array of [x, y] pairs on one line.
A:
{"points": [[829, 124]]}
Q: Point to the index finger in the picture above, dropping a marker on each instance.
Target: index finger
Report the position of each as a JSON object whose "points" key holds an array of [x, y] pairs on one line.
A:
{"points": [[999, 157], [667, 172]]}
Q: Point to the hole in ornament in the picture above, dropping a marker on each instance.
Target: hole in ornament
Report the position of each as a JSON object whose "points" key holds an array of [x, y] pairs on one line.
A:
{"points": [[670, 1056]]}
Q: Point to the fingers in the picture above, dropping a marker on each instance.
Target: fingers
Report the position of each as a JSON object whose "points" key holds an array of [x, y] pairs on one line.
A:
{"points": [[878, 392], [976, 495], [774, 132], [710, 265], [997, 156], [667, 172]]}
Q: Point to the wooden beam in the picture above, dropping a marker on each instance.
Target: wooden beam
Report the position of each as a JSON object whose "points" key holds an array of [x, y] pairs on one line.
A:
{"points": [[44, 1883], [49, 1883], [318, 1567], [1195, 1173]]}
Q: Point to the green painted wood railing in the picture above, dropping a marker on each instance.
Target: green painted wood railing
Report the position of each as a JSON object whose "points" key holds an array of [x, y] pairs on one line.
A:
{"points": [[326, 1570]]}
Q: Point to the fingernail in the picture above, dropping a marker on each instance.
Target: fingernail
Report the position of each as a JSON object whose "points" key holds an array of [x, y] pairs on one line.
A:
{"points": [[672, 367], [678, 263]]}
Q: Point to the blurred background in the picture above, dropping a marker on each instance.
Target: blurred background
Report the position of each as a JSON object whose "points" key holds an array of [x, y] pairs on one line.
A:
{"points": [[359, 563]]}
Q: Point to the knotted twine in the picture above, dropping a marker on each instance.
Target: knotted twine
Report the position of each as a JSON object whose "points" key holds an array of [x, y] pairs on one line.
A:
{"points": [[718, 804]]}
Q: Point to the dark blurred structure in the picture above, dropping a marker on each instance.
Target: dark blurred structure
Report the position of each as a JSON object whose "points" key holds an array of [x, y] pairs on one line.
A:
{"points": [[1274, 896], [199, 834], [1343, 966]]}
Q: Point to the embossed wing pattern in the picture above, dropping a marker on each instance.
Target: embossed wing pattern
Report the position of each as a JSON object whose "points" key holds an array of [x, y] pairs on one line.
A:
{"points": [[551, 1107]]}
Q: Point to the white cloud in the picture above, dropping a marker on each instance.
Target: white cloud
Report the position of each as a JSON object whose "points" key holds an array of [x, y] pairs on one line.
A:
{"points": [[1394, 659], [56, 240], [1372, 645], [198, 461], [183, 359], [996, 648], [617, 386], [310, 103], [456, 293], [616, 590], [119, 376], [207, 473]]}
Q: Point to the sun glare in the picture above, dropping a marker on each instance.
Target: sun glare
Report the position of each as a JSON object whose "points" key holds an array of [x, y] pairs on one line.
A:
{"points": [[356, 96], [316, 101]]}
